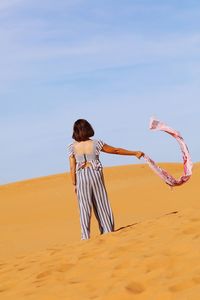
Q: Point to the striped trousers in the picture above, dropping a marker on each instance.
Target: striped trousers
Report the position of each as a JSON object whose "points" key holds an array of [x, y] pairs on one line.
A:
{"points": [[91, 192]]}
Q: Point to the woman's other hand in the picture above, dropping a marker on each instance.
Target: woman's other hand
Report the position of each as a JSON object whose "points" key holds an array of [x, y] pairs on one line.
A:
{"points": [[75, 189]]}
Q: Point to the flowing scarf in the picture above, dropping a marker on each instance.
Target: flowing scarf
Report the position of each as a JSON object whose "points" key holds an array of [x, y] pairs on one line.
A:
{"points": [[187, 162]]}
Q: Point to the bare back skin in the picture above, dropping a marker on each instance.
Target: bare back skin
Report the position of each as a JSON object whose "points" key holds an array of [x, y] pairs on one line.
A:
{"points": [[84, 147]]}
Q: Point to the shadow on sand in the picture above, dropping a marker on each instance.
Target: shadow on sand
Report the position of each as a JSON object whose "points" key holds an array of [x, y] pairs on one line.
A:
{"points": [[130, 225]]}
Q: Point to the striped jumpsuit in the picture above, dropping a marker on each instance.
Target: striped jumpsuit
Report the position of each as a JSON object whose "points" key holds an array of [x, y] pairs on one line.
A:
{"points": [[91, 191]]}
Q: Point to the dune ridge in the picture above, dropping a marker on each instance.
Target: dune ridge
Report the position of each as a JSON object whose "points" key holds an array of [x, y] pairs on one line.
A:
{"points": [[153, 254]]}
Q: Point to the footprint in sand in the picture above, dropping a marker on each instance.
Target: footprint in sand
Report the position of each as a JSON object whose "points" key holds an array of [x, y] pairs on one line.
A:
{"points": [[100, 242], [73, 282], [28, 294], [44, 274], [2, 265], [20, 257], [65, 267], [8, 286], [3, 290], [21, 269], [57, 249], [191, 230], [122, 265], [152, 236], [135, 288], [53, 250], [195, 219], [84, 255], [196, 279], [196, 236], [116, 253], [181, 286], [38, 283]]}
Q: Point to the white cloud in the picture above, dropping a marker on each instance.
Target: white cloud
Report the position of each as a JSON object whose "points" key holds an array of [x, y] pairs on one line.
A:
{"points": [[27, 43], [9, 4], [17, 58], [46, 4]]}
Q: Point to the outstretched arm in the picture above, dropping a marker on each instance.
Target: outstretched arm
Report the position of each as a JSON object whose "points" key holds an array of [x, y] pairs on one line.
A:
{"points": [[113, 150], [72, 163]]}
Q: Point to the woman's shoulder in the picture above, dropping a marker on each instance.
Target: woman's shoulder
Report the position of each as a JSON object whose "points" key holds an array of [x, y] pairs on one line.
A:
{"points": [[70, 149], [99, 143], [98, 140], [70, 144]]}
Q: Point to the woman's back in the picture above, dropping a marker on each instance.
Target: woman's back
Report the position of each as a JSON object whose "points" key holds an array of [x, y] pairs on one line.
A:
{"points": [[90, 148], [86, 151], [84, 147]]}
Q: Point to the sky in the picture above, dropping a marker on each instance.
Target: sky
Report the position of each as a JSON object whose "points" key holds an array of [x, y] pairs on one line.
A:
{"points": [[114, 63]]}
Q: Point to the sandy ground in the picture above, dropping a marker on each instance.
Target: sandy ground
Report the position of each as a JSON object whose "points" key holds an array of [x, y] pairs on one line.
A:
{"points": [[154, 254]]}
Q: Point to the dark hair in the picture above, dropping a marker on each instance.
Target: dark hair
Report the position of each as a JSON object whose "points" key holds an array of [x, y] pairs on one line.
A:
{"points": [[82, 130]]}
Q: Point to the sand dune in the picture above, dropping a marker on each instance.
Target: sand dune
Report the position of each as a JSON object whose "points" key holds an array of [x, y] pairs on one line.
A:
{"points": [[154, 254]]}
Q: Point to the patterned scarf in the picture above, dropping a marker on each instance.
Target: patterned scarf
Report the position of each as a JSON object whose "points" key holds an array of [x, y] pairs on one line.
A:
{"points": [[187, 162]]}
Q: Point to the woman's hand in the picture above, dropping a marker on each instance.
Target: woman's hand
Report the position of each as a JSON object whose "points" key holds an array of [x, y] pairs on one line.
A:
{"points": [[139, 154]]}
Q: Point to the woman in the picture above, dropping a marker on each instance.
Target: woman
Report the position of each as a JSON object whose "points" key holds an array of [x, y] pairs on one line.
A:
{"points": [[87, 177]]}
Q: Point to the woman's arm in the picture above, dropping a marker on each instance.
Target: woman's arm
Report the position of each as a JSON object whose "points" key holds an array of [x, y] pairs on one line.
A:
{"points": [[72, 163], [113, 150]]}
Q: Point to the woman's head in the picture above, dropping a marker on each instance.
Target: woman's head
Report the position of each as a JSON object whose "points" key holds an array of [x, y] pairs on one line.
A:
{"points": [[82, 130]]}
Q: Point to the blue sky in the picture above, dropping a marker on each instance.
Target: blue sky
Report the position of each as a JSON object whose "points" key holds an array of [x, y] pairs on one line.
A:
{"points": [[114, 63]]}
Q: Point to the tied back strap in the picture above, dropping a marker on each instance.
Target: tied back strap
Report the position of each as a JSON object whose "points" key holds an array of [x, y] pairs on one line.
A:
{"points": [[187, 162], [85, 161]]}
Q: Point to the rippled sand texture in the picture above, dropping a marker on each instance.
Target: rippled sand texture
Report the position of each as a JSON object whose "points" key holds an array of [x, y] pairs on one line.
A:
{"points": [[154, 254]]}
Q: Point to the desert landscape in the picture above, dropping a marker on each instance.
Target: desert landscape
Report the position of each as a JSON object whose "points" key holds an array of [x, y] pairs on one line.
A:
{"points": [[154, 253]]}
